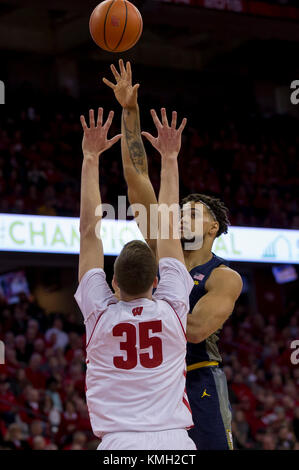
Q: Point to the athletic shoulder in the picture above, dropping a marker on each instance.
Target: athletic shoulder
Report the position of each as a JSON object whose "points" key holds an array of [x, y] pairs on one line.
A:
{"points": [[223, 277]]}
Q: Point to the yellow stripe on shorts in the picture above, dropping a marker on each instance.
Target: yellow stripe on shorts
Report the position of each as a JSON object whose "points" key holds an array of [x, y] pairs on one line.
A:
{"points": [[198, 365]]}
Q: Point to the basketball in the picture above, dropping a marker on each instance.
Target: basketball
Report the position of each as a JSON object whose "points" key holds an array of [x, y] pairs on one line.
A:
{"points": [[116, 25]]}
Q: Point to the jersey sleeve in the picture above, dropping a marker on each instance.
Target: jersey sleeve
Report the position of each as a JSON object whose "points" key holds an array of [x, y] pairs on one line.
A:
{"points": [[175, 285], [93, 297]]}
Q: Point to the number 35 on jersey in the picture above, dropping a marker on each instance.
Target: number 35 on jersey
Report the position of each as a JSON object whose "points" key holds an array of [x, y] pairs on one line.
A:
{"points": [[143, 334]]}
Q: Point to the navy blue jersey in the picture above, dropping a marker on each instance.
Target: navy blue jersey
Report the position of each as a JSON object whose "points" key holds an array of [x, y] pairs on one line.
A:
{"points": [[207, 350]]}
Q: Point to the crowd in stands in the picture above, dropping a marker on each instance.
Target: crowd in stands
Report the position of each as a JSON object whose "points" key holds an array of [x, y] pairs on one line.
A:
{"points": [[253, 167], [42, 384], [263, 383]]}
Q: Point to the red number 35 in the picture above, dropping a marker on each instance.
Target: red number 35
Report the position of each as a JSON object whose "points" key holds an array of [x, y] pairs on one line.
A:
{"points": [[145, 341]]}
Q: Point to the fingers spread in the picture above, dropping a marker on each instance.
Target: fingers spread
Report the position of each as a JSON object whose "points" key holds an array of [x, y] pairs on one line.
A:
{"points": [[129, 71], [156, 120], [83, 122], [122, 68], [182, 126], [115, 72], [149, 137], [110, 84], [174, 119], [91, 118], [109, 121], [100, 117], [114, 139], [135, 88], [164, 117]]}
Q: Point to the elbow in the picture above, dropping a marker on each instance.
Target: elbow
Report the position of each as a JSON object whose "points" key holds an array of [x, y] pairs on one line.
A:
{"points": [[130, 174], [196, 336]]}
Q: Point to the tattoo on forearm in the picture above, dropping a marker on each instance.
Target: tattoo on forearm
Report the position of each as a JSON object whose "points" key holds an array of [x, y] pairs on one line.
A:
{"points": [[135, 144]]}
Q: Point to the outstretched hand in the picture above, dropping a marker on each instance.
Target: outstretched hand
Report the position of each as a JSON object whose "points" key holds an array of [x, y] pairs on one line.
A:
{"points": [[95, 139], [168, 142], [125, 93]]}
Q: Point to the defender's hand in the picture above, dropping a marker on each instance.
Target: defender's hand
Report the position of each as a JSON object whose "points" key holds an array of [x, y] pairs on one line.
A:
{"points": [[95, 139], [168, 142], [125, 93]]}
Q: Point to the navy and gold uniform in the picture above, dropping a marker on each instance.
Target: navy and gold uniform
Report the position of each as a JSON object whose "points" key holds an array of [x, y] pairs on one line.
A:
{"points": [[206, 382]]}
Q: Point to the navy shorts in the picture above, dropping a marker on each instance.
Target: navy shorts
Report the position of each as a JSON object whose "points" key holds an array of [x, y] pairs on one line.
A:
{"points": [[208, 397]]}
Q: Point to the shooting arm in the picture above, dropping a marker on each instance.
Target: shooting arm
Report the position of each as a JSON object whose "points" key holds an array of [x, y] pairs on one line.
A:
{"points": [[140, 189], [213, 309]]}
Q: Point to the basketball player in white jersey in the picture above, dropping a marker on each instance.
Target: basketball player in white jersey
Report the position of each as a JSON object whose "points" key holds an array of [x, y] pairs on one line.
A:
{"points": [[136, 346]]}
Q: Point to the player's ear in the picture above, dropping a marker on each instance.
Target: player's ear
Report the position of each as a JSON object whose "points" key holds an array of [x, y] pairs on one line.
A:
{"points": [[155, 283], [214, 229], [115, 288], [114, 283]]}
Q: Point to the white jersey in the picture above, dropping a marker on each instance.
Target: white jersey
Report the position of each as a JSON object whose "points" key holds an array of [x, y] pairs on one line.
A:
{"points": [[136, 370]]}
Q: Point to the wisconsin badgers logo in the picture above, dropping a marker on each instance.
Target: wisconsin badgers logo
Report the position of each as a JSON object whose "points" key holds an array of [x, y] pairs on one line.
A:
{"points": [[137, 311], [114, 20]]}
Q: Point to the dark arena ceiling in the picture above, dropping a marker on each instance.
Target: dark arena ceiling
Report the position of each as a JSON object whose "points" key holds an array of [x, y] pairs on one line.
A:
{"points": [[174, 35]]}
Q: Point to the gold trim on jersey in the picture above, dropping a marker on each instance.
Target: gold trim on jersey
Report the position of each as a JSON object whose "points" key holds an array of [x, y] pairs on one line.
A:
{"points": [[198, 365]]}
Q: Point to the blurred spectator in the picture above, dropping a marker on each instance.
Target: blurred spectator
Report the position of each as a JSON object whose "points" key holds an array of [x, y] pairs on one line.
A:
{"points": [[286, 439], [56, 336], [296, 423], [14, 438], [241, 430], [52, 393], [39, 443], [78, 442], [34, 373], [269, 442]]}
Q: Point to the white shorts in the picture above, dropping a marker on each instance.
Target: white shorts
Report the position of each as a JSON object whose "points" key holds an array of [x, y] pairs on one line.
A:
{"points": [[171, 439]]}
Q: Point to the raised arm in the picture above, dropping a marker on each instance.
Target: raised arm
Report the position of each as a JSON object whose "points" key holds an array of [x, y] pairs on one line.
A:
{"points": [[140, 189], [168, 144], [94, 144]]}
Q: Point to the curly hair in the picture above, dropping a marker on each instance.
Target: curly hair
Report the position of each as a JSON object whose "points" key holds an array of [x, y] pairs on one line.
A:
{"points": [[216, 207]]}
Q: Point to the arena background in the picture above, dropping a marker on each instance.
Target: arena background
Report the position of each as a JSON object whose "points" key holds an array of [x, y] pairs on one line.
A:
{"points": [[228, 67]]}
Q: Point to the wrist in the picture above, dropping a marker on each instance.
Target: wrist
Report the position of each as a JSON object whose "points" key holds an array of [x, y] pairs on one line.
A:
{"points": [[169, 157], [133, 107], [91, 157], [169, 167]]}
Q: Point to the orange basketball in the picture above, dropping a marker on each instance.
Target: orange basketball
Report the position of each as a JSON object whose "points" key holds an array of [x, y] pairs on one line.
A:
{"points": [[115, 25]]}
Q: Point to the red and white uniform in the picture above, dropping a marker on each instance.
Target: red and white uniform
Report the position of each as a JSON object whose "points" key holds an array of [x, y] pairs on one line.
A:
{"points": [[136, 352]]}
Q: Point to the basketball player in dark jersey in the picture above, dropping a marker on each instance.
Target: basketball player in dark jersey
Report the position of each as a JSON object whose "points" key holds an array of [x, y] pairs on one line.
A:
{"points": [[216, 286]]}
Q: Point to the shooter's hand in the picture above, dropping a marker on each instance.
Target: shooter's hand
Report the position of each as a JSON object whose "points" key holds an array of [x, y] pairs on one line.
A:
{"points": [[95, 139], [168, 142], [125, 93]]}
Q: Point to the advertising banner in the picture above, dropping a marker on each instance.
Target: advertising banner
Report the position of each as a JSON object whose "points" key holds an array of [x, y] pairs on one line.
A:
{"points": [[41, 234]]}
